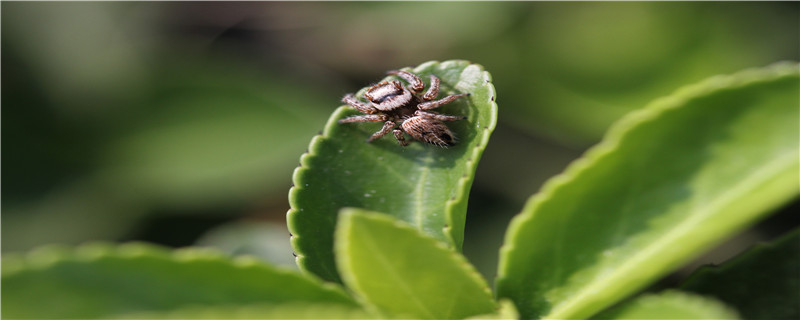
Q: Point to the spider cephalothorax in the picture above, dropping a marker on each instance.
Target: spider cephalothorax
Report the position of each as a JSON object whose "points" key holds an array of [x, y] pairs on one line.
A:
{"points": [[403, 109]]}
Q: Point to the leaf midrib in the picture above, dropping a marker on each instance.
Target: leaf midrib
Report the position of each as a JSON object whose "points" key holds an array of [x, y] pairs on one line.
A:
{"points": [[572, 306]]}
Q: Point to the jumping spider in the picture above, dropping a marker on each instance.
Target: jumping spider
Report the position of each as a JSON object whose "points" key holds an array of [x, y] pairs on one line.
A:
{"points": [[397, 105]]}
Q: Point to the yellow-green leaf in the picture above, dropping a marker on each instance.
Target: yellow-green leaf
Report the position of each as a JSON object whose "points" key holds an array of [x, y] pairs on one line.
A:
{"points": [[105, 281], [398, 271], [665, 184]]}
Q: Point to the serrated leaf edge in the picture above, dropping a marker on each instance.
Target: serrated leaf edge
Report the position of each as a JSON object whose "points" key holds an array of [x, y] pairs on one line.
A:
{"points": [[473, 159], [48, 256], [611, 141], [463, 184], [613, 137]]}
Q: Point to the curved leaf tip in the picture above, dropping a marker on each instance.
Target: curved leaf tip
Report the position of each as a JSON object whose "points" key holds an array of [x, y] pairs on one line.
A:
{"points": [[424, 185]]}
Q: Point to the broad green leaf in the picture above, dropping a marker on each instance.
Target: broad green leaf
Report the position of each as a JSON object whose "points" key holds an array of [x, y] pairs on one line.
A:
{"points": [[422, 184], [762, 283], [670, 305], [667, 182], [400, 272], [103, 280], [259, 311]]}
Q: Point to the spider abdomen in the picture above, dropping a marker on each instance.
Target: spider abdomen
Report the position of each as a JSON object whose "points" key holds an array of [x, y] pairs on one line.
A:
{"points": [[388, 96]]}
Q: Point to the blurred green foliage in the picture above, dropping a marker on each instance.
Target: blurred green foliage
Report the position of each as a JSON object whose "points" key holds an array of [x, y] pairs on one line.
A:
{"points": [[119, 114]]}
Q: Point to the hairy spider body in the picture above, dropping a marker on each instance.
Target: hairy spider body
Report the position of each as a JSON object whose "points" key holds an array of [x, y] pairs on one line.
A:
{"points": [[403, 110]]}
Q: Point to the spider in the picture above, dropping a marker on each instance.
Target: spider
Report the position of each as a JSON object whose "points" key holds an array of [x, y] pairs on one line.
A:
{"points": [[397, 105]]}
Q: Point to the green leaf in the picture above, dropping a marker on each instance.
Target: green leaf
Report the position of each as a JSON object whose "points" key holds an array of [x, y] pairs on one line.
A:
{"points": [[103, 280], [393, 268], [507, 311], [667, 182], [259, 311], [670, 305], [422, 184], [763, 283]]}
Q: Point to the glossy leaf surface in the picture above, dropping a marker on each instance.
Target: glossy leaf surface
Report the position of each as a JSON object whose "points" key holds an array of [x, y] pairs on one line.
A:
{"points": [[762, 283], [102, 281], [400, 272], [666, 183], [422, 184]]}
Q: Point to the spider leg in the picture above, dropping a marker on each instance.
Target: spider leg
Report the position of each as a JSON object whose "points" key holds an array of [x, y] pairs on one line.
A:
{"points": [[387, 126], [438, 103], [433, 90], [414, 81], [358, 105], [364, 118], [398, 134], [436, 116]]}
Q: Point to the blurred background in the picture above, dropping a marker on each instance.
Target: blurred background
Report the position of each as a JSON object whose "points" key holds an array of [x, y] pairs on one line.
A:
{"points": [[180, 123]]}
